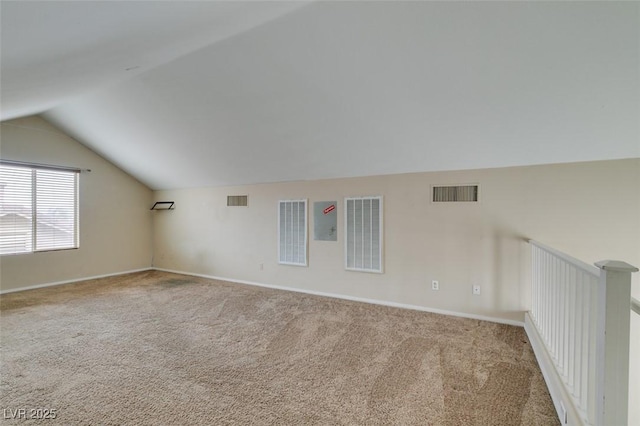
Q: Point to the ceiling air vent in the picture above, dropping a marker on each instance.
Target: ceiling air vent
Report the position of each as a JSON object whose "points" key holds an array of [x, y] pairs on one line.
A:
{"points": [[237, 200], [455, 194]]}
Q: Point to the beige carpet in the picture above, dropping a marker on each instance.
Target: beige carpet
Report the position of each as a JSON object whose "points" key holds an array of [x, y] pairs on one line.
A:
{"points": [[163, 349]]}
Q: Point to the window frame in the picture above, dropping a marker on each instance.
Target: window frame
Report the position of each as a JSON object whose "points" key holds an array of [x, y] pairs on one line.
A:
{"points": [[306, 233], [347, 229], [34, 169]]}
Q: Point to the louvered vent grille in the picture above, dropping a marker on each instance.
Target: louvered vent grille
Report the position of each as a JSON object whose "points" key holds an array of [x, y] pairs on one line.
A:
{"points": [[363, 234], [237, 200], [455, 194], [292, 230]]}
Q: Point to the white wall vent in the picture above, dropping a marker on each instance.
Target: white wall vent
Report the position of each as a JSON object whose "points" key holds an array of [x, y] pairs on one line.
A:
{"points": [[363, 234], [292, 232], [237, 200], [455, 193]]}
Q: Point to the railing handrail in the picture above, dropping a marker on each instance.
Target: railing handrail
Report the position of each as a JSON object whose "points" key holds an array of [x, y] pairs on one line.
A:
{"points": [[635, 305], [576, 262]]}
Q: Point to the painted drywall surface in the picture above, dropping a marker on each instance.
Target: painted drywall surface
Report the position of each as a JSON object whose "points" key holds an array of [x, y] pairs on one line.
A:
{"points": [[115, 221], [357, 88], [590, 210]]}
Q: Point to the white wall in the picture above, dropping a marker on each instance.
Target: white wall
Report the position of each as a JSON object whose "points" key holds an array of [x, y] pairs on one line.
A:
{"points": [[115, 221], [589, 210]]}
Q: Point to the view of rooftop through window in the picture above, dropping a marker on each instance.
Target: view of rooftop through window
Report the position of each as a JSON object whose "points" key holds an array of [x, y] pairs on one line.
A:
{"points": [[38, 209]]}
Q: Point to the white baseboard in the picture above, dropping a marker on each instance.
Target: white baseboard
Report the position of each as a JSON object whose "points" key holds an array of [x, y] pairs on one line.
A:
{"points": [[559, 395], [277, 287], [75, 280], [352, 298]]}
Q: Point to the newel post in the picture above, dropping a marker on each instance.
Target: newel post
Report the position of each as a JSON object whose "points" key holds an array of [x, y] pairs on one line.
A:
{"points": [[612, 342]]}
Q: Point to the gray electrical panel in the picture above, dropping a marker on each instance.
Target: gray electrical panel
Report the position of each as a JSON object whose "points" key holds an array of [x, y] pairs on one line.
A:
{"points": [[325, 220]]}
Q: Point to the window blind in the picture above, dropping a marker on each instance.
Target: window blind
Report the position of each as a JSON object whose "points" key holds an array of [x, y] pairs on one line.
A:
{"points": [[38, 209], [363, 234], [292, 232], [16, 210], [56, 206]]}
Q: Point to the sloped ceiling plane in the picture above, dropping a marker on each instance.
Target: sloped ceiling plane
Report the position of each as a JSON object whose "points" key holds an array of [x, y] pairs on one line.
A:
{"points": [[228, 93]]}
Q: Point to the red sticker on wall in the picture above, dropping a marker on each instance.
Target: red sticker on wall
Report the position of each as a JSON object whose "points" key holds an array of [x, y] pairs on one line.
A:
{"points": [[329, 209]]}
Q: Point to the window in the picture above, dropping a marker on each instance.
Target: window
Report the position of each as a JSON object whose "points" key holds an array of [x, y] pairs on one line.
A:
{"points": [[363, 234], [38, 209], [292, 232]]}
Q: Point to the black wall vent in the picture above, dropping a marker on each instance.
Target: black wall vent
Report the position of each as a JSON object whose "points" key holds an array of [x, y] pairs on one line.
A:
{"points": [[237, 200], [455, 194]]}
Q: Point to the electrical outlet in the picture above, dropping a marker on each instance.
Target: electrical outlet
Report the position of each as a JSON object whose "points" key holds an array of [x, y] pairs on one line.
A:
{"points": [[476, 289], [262, 266], [435, 285]]}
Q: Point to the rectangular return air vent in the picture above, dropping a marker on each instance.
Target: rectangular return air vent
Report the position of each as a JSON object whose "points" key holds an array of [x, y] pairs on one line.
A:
{"points": [[455, 194], [237, 200]]}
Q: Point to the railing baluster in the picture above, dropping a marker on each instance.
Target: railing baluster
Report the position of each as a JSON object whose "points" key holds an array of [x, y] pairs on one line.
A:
{"points": [[577, 370], [548, 297], [545, 296], [594, 359], [563, 312], [554, 304], [584, 392], [572, 327], [533, 281]]}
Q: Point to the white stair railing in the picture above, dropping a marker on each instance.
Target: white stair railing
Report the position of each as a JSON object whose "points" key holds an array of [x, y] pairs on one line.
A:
{"points": [[579, 329]]}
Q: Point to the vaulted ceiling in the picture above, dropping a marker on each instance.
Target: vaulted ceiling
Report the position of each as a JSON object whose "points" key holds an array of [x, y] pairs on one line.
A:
{"points": [[187, 94]]}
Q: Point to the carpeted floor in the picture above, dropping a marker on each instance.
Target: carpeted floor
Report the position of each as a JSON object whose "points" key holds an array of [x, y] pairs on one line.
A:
{"points": [[161, 349]]}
